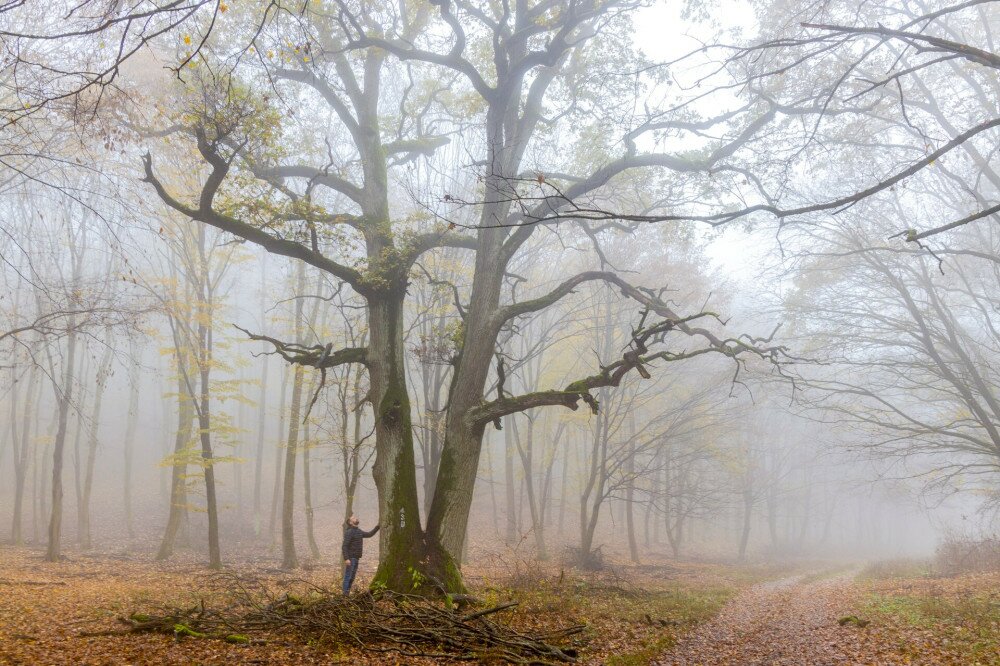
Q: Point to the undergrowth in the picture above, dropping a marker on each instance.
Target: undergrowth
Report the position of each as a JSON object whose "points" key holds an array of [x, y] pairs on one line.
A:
{"points": [[956, 619], [902, 567], [627, 624]]}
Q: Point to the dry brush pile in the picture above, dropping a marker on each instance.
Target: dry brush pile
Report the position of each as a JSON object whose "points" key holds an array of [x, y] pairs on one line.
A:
{"points": [[406, 624]]}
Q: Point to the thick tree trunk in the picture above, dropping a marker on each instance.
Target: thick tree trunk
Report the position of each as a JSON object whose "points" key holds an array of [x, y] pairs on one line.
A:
{"points": [[406, 557], [449, 517]]}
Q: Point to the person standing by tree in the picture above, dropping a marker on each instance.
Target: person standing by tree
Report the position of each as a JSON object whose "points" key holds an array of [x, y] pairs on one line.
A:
{"points": [[352, 548]]}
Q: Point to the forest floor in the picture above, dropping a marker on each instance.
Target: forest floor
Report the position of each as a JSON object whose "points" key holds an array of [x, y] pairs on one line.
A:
{"points": [[877, 616], [631, 613], [659, 613]]}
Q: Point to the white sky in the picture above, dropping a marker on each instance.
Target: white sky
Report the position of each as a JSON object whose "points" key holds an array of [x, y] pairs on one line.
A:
{"points": [[664, 35]]}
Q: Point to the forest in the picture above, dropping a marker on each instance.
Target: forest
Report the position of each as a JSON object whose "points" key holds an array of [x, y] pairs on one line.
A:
{"points": [[626, 332]]}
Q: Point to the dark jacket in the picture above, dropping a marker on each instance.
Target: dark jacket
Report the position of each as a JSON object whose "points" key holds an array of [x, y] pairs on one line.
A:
{"points": [[354, 541]]}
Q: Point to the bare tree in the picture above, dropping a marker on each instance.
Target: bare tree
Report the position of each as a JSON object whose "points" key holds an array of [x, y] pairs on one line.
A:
{"points": [[920, 345]]}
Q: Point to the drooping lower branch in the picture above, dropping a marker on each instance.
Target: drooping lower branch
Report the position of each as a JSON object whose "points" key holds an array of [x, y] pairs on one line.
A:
{"points": [[636, 358], [314, 356]]}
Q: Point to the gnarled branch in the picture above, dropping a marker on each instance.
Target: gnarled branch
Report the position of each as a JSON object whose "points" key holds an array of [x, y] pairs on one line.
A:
{"points": [[314, 356], [207, 214]]}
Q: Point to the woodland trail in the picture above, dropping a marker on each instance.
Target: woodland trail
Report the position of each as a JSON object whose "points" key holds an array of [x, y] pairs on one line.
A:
{"points": [[781, 623]]}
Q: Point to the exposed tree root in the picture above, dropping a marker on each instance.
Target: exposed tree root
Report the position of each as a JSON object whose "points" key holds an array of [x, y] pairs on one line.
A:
{"points": [[409, 625]]}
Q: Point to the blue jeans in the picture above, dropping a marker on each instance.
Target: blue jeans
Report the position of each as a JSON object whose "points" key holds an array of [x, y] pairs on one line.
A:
{"points": [[350, 571]]}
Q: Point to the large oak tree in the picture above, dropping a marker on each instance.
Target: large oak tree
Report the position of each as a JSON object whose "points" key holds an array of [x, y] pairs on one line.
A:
{"points": [[365, 92]]}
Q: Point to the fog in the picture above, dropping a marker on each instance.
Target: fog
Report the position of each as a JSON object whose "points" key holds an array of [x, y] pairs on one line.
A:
{"points": [[643, 285]]}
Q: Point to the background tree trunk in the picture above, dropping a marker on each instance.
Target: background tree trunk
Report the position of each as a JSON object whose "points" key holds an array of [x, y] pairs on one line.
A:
{"points": [[64, 397], [103, 372], [279, 458], [510, 491], [289, 560], [128, 441], [22, 449], [258, 463], [307, 491], [633, 546], [178, 470]]}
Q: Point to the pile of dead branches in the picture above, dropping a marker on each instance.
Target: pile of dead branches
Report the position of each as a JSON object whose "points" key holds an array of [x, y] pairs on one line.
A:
{"points": [[409, 625]]}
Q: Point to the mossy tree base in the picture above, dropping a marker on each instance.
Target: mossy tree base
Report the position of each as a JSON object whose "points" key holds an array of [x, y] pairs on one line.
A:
{"points": [[420, 567]]}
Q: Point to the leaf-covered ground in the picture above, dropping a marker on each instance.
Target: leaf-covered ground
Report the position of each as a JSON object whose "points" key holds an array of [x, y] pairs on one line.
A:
{"points": [[664, 613], [932, 620], [837, 619], [788, 622], [632, 614]]}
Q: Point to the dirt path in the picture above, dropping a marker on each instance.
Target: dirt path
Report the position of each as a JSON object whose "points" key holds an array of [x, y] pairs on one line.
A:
{"points": [[787, 622]]}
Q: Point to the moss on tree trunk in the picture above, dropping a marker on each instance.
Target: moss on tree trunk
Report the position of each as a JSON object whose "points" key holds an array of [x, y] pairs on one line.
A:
{"points": [[409, 561]]}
